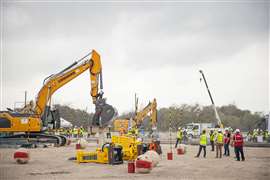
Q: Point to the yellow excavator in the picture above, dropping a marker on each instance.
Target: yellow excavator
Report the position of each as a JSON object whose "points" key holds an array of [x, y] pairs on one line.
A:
{"points": [[31, 122], [149, 110]]}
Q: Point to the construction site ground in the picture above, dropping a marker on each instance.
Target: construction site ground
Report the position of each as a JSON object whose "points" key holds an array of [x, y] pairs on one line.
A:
{"points": [[53, 163]]}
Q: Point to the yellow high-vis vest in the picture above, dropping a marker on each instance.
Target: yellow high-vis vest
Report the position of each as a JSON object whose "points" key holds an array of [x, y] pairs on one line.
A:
{"points": [[203, 140]]}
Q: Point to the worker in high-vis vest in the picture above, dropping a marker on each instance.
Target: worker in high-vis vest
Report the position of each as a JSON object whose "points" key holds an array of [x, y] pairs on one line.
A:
{"points": [[212, 139], [203, 144], [179, 137], [219, 143], [75, 132]]}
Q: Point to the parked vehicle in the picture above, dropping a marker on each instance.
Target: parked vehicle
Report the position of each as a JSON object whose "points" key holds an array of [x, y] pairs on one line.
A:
{"points": [[195, 129]]}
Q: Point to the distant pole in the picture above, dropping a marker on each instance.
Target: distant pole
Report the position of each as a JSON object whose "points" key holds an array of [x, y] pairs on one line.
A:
{"points": [[136, 104], [170, 130], [25, 97]]}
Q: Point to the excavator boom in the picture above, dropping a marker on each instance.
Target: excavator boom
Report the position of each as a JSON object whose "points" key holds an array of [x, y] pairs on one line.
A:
{"points": [[104, 112]]}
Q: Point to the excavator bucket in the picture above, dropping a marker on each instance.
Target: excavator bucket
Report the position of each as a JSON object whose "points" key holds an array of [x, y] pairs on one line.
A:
{"points": [[104, 113]]}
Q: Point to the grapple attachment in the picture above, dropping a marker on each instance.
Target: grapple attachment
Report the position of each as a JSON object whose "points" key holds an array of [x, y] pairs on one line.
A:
{"points": [[104, 113]]}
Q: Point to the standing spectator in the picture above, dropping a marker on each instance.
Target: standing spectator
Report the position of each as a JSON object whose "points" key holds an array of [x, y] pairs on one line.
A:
{"points": [[203, 143], [185, 136], [212, 139], [227, 140], [179, 137], [238, 143], [219, 143]]}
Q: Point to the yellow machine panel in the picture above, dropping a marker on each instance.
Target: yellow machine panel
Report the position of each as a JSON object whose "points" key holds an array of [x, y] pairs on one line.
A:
{"points": [[96, 157], [129, 145], [18, 123], [108, 154]]}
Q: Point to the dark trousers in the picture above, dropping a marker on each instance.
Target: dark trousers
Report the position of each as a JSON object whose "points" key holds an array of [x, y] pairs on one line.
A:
{"points": [[204, 151], [226, 150], [212, 145], [109, 135], [238, 151], [178, 141]]}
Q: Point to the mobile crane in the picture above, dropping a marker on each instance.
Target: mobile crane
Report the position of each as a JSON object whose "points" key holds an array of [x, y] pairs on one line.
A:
{"points": [[33, 120], [219, 123]]}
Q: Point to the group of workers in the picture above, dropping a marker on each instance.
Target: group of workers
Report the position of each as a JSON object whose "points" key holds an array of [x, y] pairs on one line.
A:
{"points": [[219, 140], [223, 140], [75, 132], [255, 133]]}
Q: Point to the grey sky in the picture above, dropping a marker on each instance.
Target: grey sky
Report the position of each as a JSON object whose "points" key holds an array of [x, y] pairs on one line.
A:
{"points": [[154, 49]]}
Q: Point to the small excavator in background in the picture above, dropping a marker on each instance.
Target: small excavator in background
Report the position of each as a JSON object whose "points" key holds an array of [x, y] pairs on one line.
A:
{"points": [[31, 122], [150, 110]]}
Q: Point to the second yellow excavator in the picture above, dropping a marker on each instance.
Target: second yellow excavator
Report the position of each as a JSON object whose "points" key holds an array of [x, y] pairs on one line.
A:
{"points": [[35, 118]]}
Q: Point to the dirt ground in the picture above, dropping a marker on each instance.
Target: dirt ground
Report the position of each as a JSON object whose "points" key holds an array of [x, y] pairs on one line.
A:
{"points": [[53, 163]]}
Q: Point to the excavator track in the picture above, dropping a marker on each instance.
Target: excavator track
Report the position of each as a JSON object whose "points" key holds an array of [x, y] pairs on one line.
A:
{"points": [[33, 138]]}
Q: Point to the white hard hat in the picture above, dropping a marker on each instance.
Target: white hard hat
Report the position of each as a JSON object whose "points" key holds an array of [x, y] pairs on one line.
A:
{"points": [[219, 130], [179, 128], [237, 130]]}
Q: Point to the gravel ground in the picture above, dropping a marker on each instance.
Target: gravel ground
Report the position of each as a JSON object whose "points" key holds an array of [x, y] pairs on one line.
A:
{"points": [[53, 163]]}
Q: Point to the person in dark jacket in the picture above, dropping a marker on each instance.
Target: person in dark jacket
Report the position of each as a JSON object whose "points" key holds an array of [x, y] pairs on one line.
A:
{"points": [[227, 140]]}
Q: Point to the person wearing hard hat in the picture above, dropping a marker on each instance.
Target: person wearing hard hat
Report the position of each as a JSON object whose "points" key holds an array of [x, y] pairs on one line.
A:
{"points": [[203, 143], [219, 143], [238, 143], [179, 137]]}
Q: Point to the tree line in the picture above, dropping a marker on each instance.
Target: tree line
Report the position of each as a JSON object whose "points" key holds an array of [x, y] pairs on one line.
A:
{"points": [[178, 115]]}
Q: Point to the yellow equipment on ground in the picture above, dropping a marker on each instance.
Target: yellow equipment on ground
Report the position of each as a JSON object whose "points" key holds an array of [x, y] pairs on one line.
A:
{"points": [[131, 146], [108, 154]]}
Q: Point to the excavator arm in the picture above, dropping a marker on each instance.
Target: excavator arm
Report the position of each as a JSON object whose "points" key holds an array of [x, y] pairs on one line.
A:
{"points": [[150, 108], [104, 112]]}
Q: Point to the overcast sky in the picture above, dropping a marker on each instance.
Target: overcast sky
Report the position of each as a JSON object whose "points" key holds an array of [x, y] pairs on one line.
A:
{"points": [[154, 49]]}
